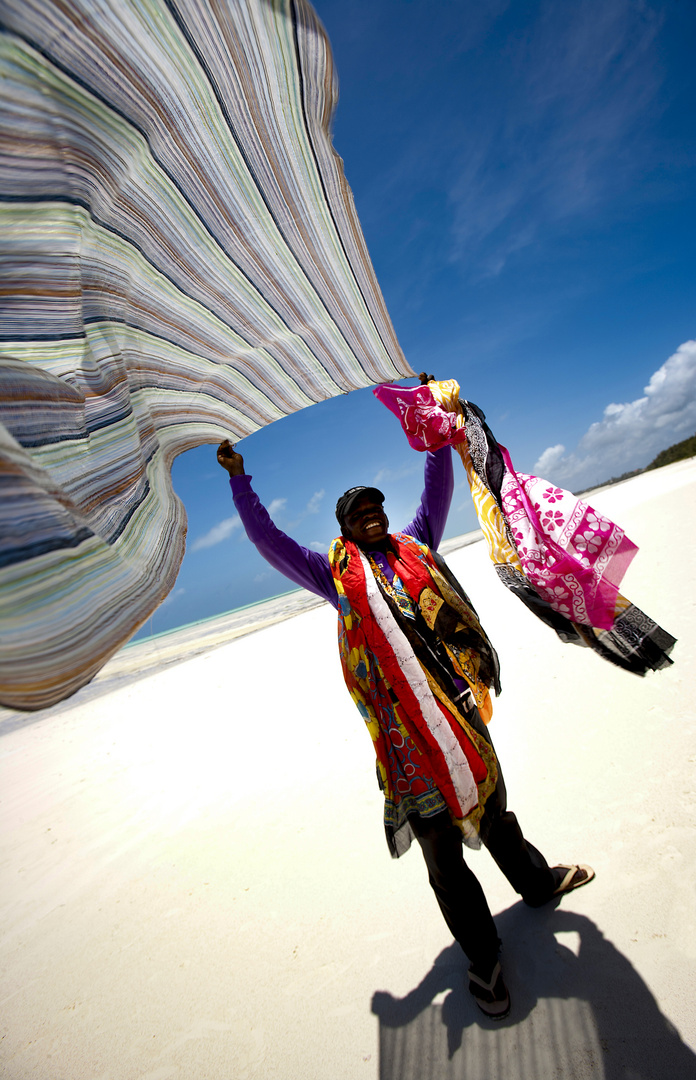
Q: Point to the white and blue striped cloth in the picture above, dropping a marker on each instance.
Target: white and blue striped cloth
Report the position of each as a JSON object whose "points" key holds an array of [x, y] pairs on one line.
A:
{"points": [[181, 262]]}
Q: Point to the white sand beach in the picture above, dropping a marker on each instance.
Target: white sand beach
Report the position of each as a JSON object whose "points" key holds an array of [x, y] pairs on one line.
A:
{"points": [[195, 882]]}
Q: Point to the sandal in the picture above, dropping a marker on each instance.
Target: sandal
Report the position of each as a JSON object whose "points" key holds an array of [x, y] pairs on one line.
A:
{"points": [[492, 997], [572, 877]]}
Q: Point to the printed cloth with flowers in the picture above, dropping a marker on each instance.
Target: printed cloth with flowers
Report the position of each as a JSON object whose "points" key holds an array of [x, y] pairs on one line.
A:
{"points": [[400, 668], [561, 557]]}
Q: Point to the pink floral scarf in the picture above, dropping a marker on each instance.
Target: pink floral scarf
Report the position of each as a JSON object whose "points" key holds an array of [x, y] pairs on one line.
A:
{"points": [[573, 556], [550, 547]]}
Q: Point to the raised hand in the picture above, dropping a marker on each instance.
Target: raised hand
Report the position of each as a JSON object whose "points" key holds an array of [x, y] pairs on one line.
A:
{"points": [[229, 459]]}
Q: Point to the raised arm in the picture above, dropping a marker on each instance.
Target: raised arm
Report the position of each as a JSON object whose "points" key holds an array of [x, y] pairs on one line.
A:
{"points": [[310, 569], [428, 525]]}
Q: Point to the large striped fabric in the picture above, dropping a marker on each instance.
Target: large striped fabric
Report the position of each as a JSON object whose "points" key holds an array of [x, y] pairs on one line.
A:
{"points": [[182, 262]]}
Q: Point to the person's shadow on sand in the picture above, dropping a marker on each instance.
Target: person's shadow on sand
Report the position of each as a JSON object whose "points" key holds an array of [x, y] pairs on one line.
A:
{"points": [[572, 1018]]}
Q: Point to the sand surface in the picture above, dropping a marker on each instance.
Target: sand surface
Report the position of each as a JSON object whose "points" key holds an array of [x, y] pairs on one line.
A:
{"points": [[195, 883]]}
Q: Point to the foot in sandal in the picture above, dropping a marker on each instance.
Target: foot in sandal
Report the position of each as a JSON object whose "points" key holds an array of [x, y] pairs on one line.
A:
{"points": [[571, 877], [489, 991]]}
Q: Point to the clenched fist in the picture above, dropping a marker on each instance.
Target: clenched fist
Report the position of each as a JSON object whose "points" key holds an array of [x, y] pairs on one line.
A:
{"points": [[229, 459]]}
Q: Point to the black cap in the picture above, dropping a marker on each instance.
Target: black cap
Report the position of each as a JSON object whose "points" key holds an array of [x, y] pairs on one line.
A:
{"points": [[351, 496]]}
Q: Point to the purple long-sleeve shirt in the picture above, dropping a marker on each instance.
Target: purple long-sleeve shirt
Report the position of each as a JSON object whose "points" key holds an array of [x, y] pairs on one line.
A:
{"points": [[310, 569]]}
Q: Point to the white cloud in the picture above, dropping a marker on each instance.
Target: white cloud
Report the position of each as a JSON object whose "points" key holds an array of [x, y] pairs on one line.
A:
{"points": [[319, 545], [630, 435], [550, 460], [173, 596], [222, 531], [315, 501], [276, 506]]}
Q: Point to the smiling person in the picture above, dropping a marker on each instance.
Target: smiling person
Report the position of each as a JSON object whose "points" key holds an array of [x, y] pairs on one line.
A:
{"points": [[419, 666]]}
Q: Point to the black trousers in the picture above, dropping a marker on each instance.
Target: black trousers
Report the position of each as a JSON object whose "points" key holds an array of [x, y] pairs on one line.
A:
{"points": [[461, 898]]}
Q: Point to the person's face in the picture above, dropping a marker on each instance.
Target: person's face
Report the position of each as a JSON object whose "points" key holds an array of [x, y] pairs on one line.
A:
{"points": [[366, 524]]}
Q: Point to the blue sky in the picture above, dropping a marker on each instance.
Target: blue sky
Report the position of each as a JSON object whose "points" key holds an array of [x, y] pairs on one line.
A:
{"points": [[524, 176]]}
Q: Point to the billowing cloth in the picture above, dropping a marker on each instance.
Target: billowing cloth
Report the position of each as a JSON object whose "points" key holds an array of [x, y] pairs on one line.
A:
{"points": [[429, 758], [182, 262], [564, 559]]}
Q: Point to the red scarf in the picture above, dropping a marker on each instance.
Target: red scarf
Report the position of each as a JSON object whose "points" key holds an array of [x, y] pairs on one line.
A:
{"points": [[375, 670]]}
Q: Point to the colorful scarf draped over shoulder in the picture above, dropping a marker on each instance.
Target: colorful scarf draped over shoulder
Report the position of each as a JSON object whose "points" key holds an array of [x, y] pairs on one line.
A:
{"points": [[561, 557], [396, 692]]}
